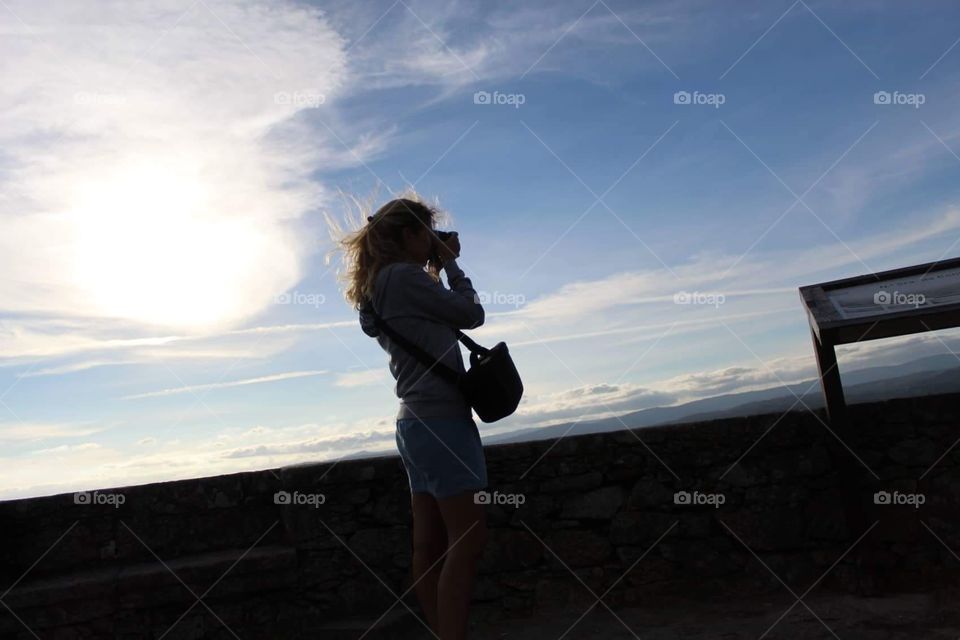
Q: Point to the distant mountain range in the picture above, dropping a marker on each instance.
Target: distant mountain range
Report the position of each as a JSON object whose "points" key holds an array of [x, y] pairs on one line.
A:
{"points": [[925, 376]]}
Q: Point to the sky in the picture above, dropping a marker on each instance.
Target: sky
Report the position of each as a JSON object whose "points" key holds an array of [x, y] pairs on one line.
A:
{"points": [[639, 188]]}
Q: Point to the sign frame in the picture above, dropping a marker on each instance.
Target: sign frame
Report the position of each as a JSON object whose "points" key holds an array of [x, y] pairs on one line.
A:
{"points": [[828, 328]]}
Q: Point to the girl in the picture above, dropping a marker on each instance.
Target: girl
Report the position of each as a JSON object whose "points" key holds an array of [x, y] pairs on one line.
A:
{"points": [[436, 435]]}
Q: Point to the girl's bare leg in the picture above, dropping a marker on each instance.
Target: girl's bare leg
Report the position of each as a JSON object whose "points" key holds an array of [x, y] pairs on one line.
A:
{"points": [[429, 543], [466, 538]]}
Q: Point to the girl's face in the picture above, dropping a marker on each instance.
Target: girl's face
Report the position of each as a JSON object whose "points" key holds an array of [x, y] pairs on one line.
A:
{"points": [[418, 242]]}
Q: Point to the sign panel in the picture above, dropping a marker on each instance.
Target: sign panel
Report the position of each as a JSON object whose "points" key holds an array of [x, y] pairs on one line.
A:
{"points": [[906, 293]]}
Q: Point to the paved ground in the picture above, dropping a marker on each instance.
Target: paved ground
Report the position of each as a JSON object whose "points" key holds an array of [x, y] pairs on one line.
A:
{"points": [[916, 617]]}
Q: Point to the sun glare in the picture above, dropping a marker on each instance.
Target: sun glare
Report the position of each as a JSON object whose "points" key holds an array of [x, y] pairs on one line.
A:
{"points": [[149, 248]]}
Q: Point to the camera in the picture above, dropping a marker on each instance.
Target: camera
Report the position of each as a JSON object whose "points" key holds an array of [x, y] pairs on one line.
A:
{"points": [[443, 236]]}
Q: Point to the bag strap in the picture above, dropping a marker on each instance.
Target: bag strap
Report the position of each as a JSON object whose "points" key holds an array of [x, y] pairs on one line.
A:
{"points": [[425, 358], [470, 344], [432, 364]]}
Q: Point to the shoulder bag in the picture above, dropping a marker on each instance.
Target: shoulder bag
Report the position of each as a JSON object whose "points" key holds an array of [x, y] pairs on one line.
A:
{"points": [[492, 385]]}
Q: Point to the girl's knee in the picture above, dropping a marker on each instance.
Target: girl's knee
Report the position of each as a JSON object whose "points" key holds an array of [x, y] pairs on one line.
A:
{"points": [[429, 546], [473, 540]]}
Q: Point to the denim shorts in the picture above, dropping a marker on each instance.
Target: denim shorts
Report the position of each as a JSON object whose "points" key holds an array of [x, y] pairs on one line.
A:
{"points": [[442, 456]]}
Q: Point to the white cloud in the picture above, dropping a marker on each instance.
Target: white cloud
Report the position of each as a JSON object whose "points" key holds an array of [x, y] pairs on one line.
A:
{"points": [[154, 171], [592, 401], [746, 376]]}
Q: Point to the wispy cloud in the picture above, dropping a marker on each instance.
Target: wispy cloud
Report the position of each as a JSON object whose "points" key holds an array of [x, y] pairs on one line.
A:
{"points": [[290, 375], [73, 367], [362, 378], [100, 345], [424, 43], [20, 432]]}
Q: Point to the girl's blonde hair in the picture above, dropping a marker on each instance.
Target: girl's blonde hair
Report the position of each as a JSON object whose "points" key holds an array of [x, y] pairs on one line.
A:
{"points": [[376, 239]]}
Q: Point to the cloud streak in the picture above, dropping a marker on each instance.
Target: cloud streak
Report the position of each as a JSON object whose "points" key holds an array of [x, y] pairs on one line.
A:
{"points": [[277, 377]]}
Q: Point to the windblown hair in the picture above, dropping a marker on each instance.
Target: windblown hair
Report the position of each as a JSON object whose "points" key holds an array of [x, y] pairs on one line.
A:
{"points": [[376, 240]]}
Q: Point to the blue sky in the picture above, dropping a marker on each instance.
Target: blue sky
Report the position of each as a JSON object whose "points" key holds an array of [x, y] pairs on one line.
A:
{"points": [[168, 310]]}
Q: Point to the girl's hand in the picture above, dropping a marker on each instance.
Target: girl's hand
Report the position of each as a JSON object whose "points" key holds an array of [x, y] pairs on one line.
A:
{"points": [[449, 249]]}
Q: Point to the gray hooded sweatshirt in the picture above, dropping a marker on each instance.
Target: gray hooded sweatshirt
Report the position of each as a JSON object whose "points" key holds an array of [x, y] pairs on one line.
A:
{"points": [[425, 312]]}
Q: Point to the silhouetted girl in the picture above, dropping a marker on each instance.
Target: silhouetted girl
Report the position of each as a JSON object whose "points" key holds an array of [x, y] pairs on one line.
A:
{"points": [[393, 263]]}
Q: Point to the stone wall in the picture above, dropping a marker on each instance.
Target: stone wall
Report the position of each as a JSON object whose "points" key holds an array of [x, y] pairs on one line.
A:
{"points": [[750, 504]]}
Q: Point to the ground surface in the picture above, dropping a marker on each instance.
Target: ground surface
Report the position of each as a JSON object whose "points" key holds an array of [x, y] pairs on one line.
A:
{"points": [[913, 616]]}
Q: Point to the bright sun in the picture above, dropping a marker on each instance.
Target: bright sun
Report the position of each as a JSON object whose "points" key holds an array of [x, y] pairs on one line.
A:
{"points": [[148, 248]]}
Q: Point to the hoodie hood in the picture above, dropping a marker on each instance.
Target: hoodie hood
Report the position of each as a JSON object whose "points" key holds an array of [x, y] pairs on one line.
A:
{"points": [[366, 309]]}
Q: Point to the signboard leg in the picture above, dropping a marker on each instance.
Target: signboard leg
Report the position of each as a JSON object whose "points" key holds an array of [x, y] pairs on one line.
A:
{"points": [[830, 381]]}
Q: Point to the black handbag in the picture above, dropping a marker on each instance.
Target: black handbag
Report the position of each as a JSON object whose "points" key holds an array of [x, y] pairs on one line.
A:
{"points": [[492, 385]]}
